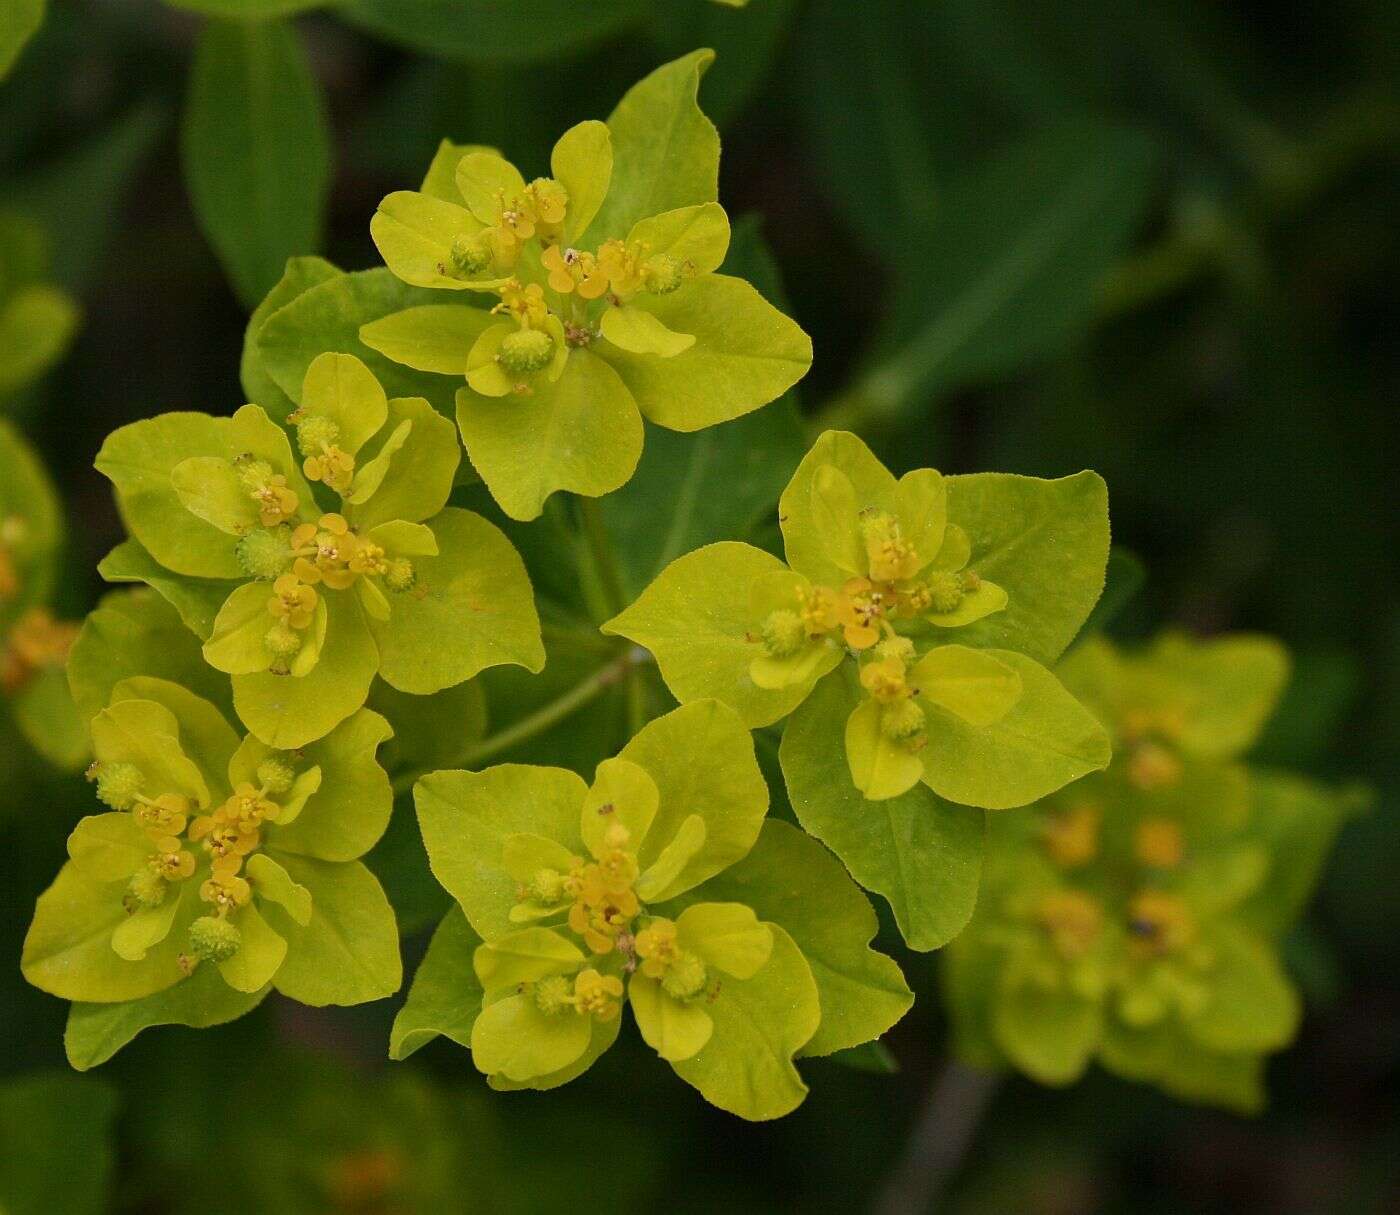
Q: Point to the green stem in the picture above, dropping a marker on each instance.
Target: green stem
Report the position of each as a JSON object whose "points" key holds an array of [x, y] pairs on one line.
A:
{"points": [[600, 548], [558, 709]]}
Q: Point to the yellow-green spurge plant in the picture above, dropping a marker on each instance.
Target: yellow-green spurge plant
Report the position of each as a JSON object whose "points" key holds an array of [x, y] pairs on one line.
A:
{"points": [[311, 576]]}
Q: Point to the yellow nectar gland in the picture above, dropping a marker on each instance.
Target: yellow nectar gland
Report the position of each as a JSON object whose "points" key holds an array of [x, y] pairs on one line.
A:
{"points": [[37, 642], [524, 303], [597, 995], [234, 829], [1159, 923], [1072, 920], [292, 603], [224, 888], [276, 503], [162, 816], [171, 860], [1159, 843], [860, 609], [1071, 837]]}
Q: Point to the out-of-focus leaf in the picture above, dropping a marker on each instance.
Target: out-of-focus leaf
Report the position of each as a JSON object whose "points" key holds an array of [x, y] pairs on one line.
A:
{"points": [[744, 42], [18, 21], [78, 197], [485, 31], [247, 10], [868, 1057], [1008, 272], [55, 1145], [256, 150], [1123, 579]]}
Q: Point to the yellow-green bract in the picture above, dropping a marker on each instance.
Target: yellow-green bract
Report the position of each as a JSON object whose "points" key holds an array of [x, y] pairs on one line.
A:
{"points": [[306, 577], [906, 635], [223, 869], [738, 944], [608, 302], [33, 645], [1135, 917]]}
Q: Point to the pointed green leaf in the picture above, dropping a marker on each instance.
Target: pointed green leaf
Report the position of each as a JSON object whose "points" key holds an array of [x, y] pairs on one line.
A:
{"points": [[197, 600], [429, 337], [260, 953], [271, 881], [446, 995]]}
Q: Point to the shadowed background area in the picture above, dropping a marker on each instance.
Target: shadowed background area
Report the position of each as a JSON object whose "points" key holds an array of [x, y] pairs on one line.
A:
{"points": [[1154, 240]]}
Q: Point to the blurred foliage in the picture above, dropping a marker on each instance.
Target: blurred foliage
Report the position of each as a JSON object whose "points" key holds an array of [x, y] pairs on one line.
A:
{"points": [[1154, 240]]}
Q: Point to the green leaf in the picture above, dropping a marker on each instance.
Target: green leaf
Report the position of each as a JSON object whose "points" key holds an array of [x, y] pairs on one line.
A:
{"points": [[702, 760], [348, 813], [261, 951], [37, 324], [665, 151], [300, 275], [471, 607], [524, 956], [466, 818], [45, 714], [696, 619], [429, 337], [746, 354], [133, 632], [1049, 1034], [1251, 1006], [197, 600], [248, 10], [445, 998], [760, 1024], [430, 732], [1045, 543], [790, 879], [514, 1039], [1045, 740], [18, 22], [271, 881], [919, 852], [726, 937], [349, 953], [582, 433], [146, 734], [139, 459], [96, 1032], [1297, 820], [1009, 270], [673, 1028], [289, 711], [68, 950], [340, 387], [108, 847], [27, 497], [484, 31], [256, 150], [205, 735], [329, 316], [56, 1145]]}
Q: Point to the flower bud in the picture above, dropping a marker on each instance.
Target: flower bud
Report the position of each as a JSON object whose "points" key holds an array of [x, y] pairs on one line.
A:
{"points": [[526, 351], [662, 274], [315, 433], [118, 785], [275, 774], [399, 575], [265, 553], [945, 591], [552, 994], [783, 634], [547, 886], [684, 977], [902, 721], [146, 889], [282, 640], [469, 255], [213, 939]]}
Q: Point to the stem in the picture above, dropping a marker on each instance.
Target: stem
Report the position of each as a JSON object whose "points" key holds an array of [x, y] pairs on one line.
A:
{"points": [[595, 531], [942, 1134], [556, 710]]}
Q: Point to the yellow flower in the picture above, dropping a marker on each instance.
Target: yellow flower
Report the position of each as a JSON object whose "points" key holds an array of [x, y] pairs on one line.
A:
{"points": [[332, 466], [656, 946], [224, 887], [598, 994], [166, 815], [860, 608], [884, 680], [292, 602], [1159, 923], [171, 860], [1159, 843], [1072, 837], [1072, 920], [573, 270]]}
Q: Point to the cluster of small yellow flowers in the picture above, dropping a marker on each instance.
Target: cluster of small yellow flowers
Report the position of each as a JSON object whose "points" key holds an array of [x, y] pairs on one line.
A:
{"points": [[886, 678], [604, 903], [323, 460], [681, 973], [276, 503], [37, 642], [865, 610], [228, 836]]}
